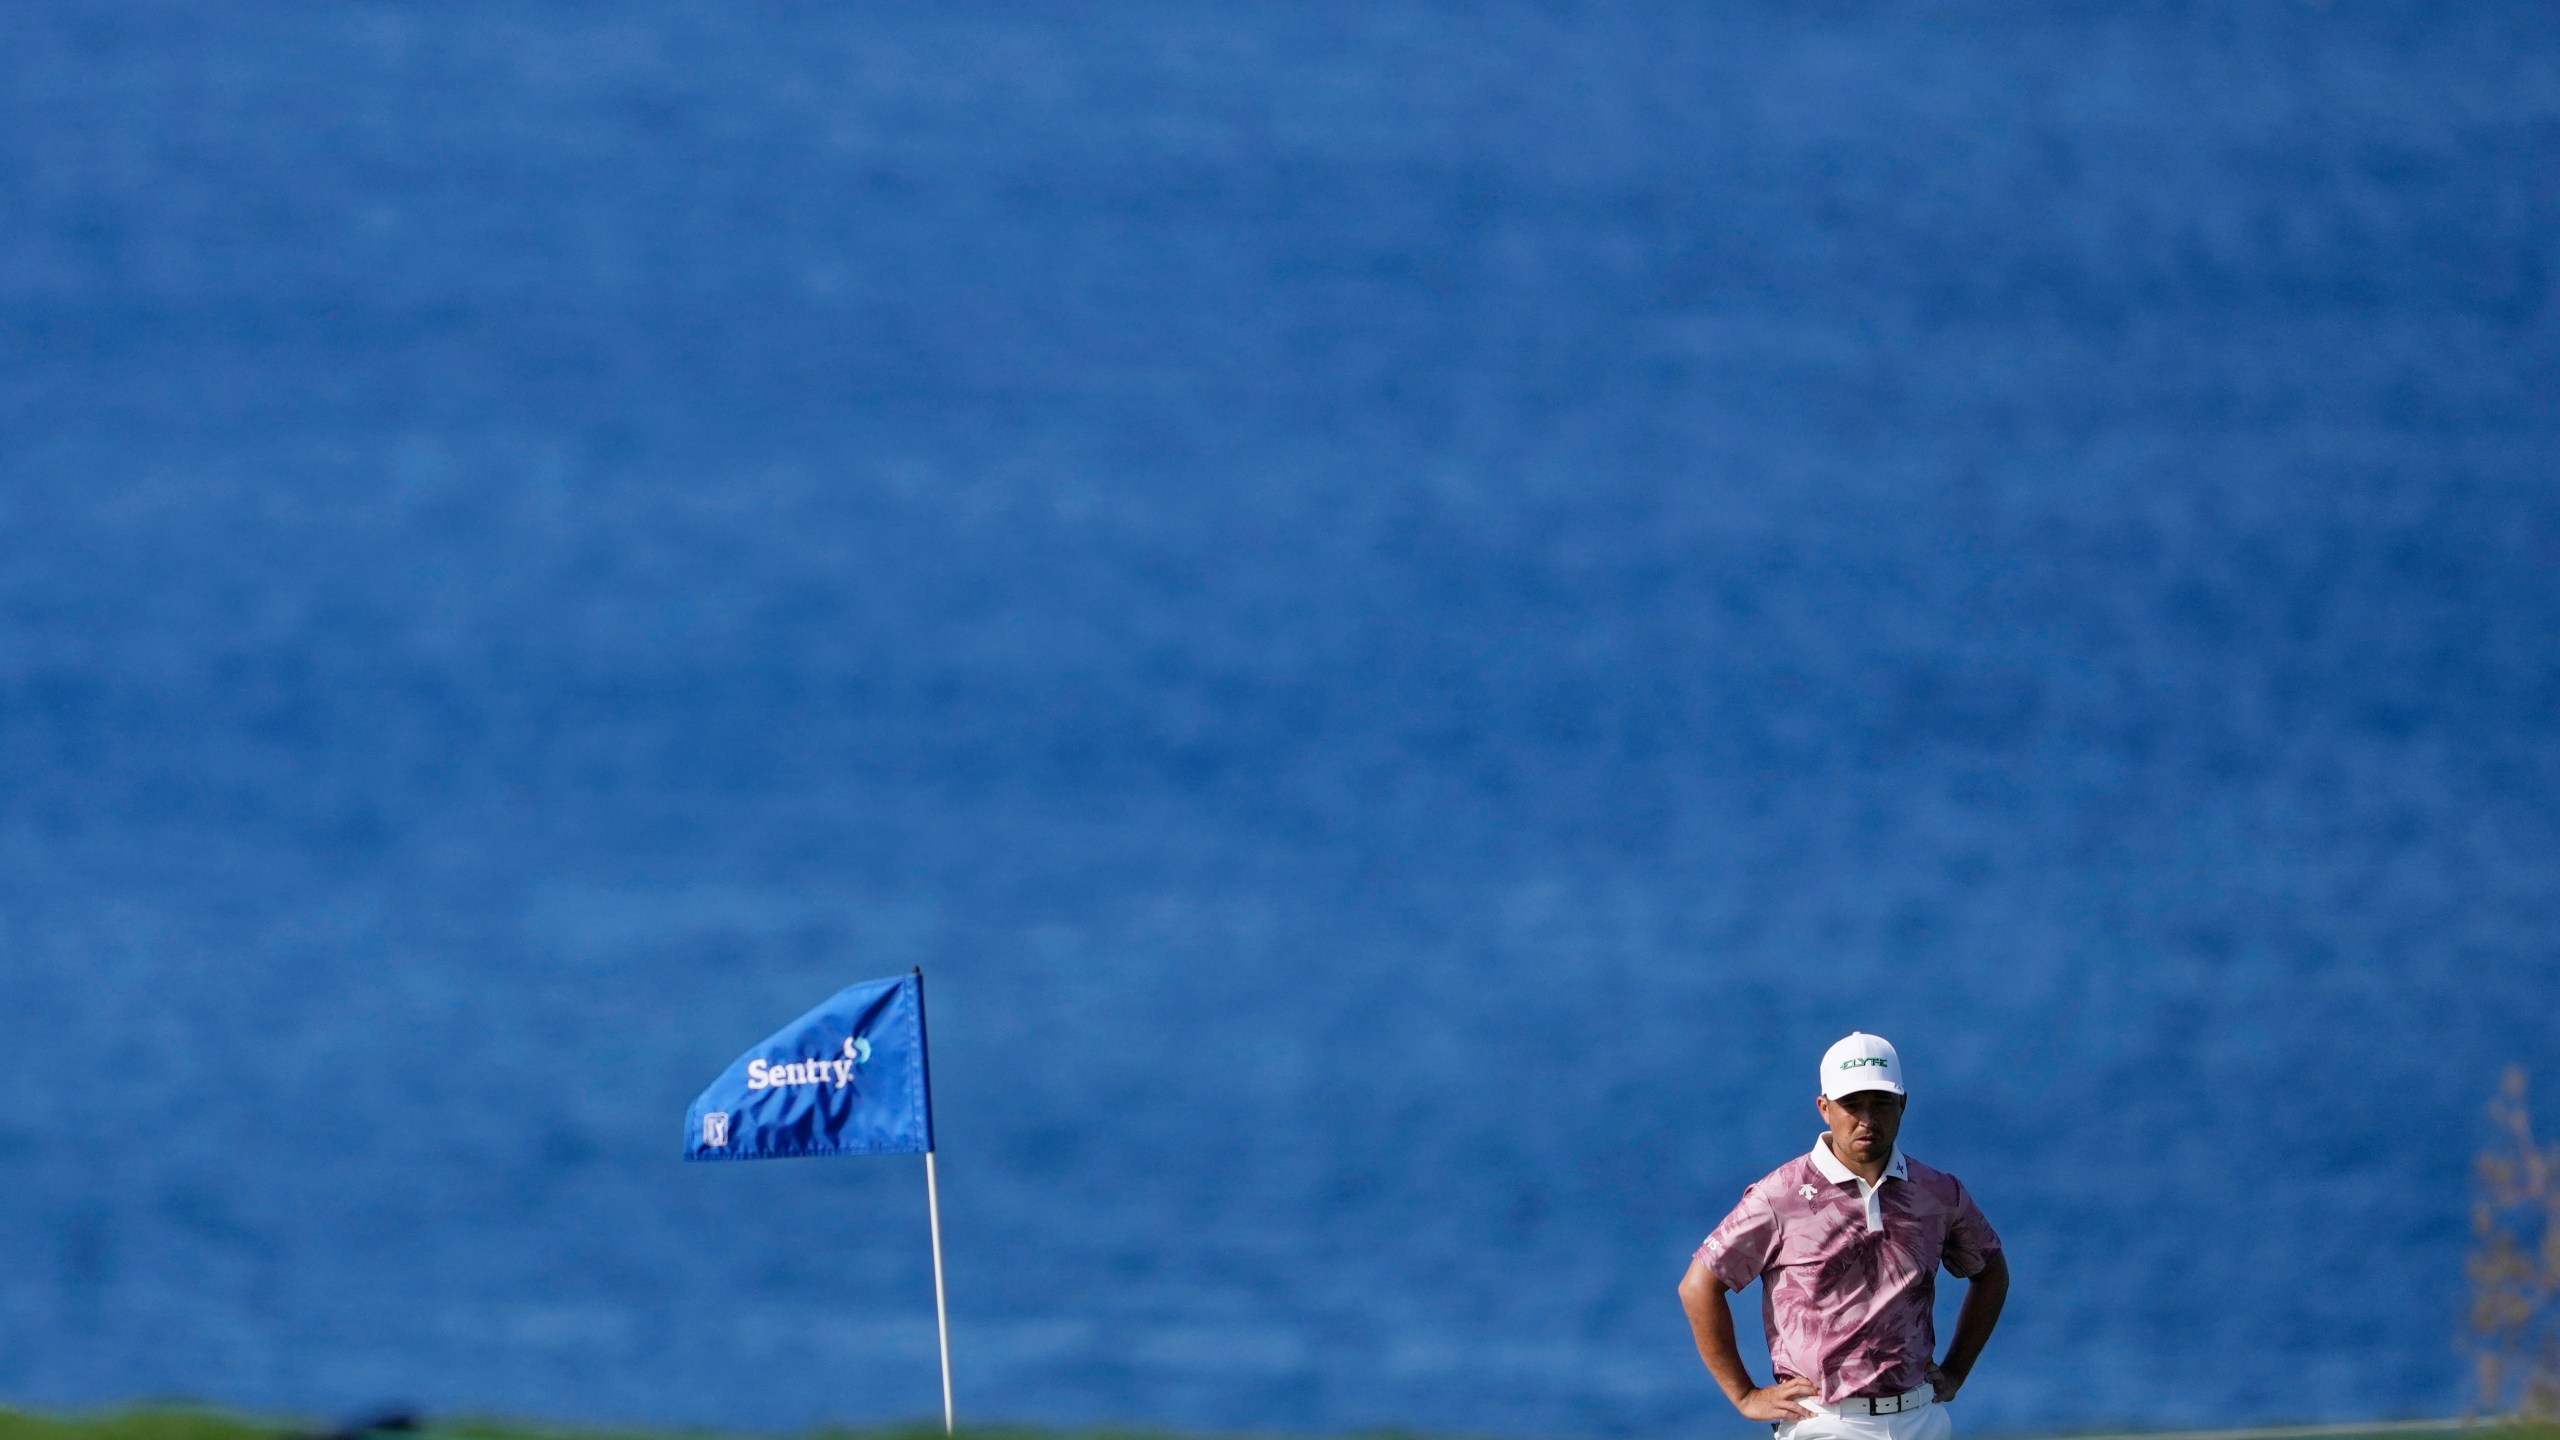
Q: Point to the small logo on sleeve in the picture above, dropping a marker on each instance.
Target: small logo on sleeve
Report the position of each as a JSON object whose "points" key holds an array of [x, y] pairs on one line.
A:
{"points": [[715, 1129]]}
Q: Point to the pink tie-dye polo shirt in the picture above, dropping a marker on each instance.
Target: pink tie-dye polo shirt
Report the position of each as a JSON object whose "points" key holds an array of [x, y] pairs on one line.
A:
{"points": [[1848, 1274]]}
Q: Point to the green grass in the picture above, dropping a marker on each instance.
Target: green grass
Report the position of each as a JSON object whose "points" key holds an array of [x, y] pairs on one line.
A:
{"points": [[145, 1424], [186, 1423]]}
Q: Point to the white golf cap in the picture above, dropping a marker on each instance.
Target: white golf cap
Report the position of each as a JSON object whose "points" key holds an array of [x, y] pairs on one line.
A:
{"points": [[1861, 1062]]}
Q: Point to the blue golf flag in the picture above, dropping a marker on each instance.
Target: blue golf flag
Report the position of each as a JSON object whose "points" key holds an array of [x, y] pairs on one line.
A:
{"points": [[848, 1078]]}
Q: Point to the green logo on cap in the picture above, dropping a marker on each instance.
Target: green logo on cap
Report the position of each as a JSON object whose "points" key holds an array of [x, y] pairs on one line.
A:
{"points": [[1864, 1060]]}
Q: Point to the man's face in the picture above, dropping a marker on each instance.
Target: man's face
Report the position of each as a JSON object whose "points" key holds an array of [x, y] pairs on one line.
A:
{"points": [[1863, 1126]]}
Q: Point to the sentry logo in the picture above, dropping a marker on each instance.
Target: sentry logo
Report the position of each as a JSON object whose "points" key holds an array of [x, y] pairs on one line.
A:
{"points": [[763, 1075]]}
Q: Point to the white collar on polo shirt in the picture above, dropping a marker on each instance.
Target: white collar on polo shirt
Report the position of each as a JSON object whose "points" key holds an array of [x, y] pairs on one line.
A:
{"points": [[1839, 1174]]}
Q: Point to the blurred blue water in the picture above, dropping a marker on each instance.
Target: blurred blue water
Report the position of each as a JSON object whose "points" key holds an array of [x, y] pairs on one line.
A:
{"points": [[1407, 606]]}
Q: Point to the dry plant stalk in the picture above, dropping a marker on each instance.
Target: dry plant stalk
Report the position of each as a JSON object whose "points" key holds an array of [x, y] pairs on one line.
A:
{"points": [[2515, 1264]]}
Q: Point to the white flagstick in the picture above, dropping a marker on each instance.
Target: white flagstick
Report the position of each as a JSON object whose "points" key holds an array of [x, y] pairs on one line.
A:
{"points": [[941, 1311]]}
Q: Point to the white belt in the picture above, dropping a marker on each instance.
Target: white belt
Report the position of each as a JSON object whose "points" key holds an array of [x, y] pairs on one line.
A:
{"points": [[1888, 1404]]}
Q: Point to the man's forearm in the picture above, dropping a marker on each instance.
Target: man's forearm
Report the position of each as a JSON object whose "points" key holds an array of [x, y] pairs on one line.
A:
{"points": [[1711, 1322], [1980, 1315]]}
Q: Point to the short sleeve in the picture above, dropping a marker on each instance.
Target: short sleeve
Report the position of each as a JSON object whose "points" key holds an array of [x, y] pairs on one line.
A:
{"points": [[1739, 1249], [1971, 1242]]}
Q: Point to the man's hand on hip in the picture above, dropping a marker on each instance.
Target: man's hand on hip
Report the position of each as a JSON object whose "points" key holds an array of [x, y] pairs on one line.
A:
{"points": [[1945, 1384], [1777, 1402]]}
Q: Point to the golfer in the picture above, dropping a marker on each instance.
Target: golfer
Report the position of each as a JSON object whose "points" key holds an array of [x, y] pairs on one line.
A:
{"points": [[1846, 1244]]}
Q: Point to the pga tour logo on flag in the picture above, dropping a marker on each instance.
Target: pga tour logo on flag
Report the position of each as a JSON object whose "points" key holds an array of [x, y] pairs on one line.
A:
{"points": [[848, 1078]]}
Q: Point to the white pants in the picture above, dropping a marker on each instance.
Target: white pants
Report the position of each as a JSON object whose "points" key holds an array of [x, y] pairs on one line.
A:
{"points": [[1929, 1422]]}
